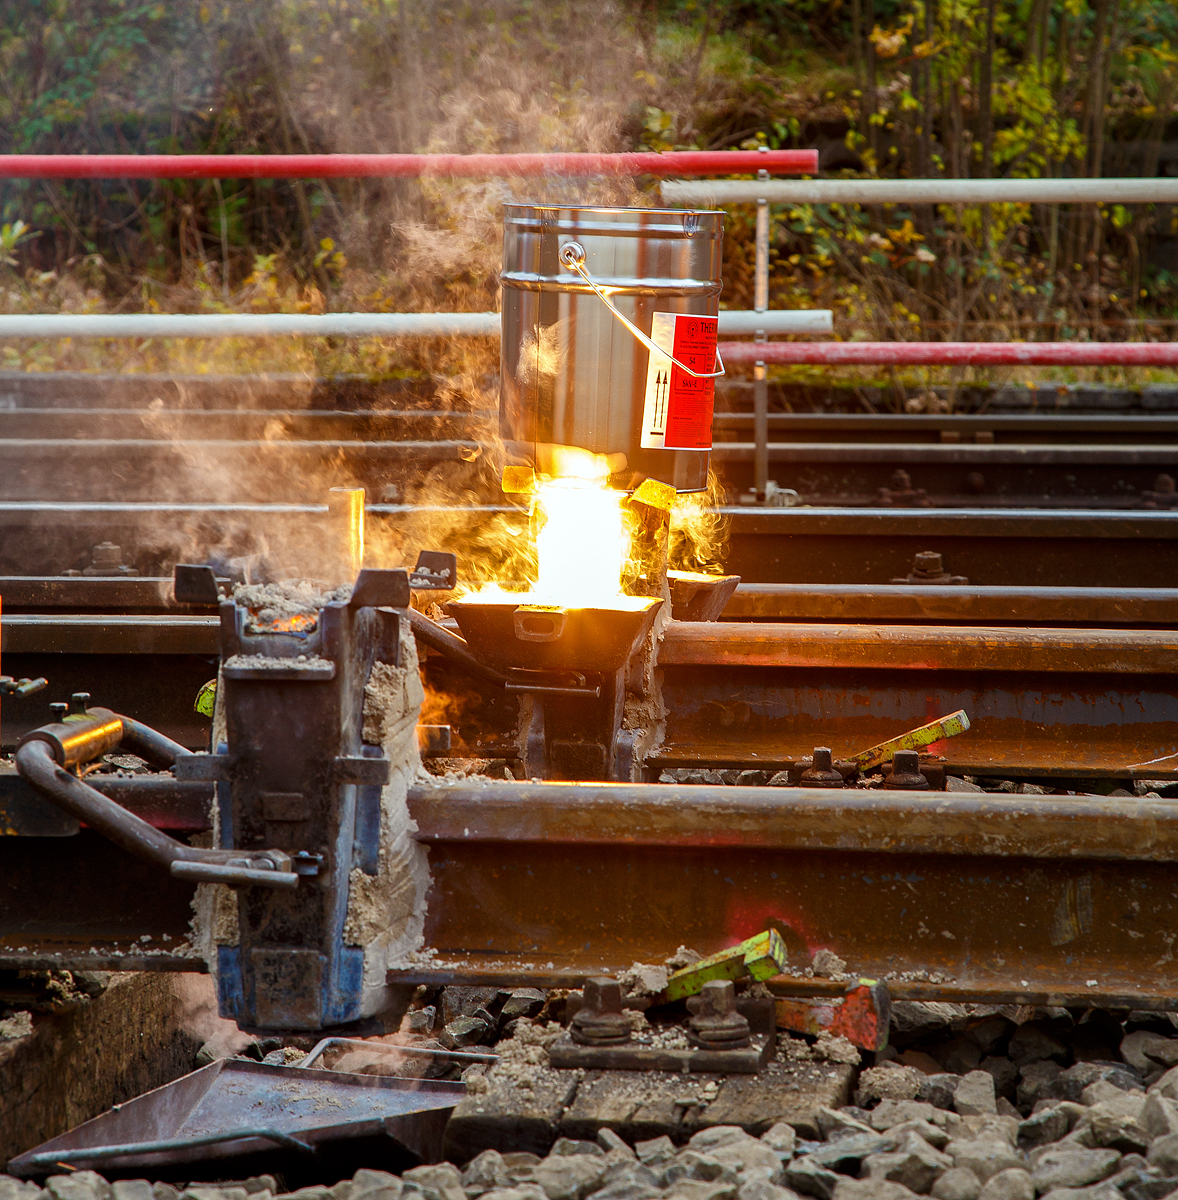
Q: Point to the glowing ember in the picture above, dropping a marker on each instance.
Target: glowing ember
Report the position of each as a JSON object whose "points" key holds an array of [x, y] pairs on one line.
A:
{"points": [[295, 623]]}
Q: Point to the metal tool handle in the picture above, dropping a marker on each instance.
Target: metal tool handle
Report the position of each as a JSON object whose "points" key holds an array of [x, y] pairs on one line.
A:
{"points": [[572, 255], [234, 876], [49, 1158]]}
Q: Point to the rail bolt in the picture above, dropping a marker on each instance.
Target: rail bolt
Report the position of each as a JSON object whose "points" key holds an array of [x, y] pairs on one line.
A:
{"points": [[906, 776], [1163, 495], [822, 774], [929, 567], [600, 1021], [716, 1024]]}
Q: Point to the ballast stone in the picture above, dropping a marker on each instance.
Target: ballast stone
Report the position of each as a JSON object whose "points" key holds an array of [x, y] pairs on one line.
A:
{"points": [[442, 1181], [1012, 1184], [1073, 1167], [914, 1163], [985, 1157], [975, 1095], [959, 1183]]}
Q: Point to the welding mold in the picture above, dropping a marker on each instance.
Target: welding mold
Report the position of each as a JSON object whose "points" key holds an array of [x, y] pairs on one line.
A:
{"points": [[319, 749]]}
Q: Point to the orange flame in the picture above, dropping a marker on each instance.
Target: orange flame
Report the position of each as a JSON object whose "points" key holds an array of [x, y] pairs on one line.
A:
{"points": [[582, 535]]}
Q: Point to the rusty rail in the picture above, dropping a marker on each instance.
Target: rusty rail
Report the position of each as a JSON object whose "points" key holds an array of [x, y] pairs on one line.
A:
{"points": [[989, 605], [1051, 900], [919, 648], [1048, 704]]}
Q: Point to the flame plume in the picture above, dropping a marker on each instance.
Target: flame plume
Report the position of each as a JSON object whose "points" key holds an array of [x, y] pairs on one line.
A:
{"points": [[582, 530]]}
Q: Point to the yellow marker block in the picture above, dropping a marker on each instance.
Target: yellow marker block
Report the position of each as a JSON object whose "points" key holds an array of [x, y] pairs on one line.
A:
{"points": [[914, 739], [761, 957], [206, 699]]}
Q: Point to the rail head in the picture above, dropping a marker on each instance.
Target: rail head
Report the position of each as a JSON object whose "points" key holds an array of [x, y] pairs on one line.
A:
{"points": [[784, 819]]}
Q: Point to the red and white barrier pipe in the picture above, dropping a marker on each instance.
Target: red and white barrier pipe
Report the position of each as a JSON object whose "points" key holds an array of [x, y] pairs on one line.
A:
{"points": [[402, 166], [954, 354]]}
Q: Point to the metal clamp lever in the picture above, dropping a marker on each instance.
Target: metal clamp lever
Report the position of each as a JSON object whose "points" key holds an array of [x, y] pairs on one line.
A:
{"points": [[572, 255], [204, 872], [47, 758]]}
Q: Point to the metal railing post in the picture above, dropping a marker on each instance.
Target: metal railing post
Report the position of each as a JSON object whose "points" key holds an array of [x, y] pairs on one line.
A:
{"points": [[760, 382]]}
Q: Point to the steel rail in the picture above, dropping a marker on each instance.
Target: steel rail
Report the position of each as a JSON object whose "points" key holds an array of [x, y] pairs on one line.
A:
{"points": [[954, 354], [878, 604], [919, 648], [1069, 705], [401, 166], [90, 633], [353, 446], [732, 323], [160, 799], [684, 816], [924, 191], [695, 643], [1099, 606], [1007, 900], [235, 424], [819, 545], [1074, 731]]}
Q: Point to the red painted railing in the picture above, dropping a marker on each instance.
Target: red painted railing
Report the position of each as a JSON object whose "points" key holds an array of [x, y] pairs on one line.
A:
{"points": [[410, 166], [955, 354]]}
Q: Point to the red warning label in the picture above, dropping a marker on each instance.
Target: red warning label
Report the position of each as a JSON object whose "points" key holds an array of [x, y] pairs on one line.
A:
{"points": [[677, 414]]}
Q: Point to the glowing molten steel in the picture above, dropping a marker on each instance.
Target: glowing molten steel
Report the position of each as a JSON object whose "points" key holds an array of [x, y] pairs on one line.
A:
{"points": [[582, 546], [582, 539]]}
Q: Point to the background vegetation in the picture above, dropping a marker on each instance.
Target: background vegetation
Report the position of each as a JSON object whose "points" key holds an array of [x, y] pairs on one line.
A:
{"points": [[957, 88]]}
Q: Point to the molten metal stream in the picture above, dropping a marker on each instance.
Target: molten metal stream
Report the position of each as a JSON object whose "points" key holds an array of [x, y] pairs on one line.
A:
{"points": [[582, 540]]}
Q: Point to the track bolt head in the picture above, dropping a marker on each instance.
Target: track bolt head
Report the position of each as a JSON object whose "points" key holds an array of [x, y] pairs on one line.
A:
{"points": [[717, 1025], [601, 1021], [822, 772], [906, 776]]}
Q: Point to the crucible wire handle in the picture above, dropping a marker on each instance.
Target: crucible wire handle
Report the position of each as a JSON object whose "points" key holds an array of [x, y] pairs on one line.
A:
{"points": [[572, 255]]}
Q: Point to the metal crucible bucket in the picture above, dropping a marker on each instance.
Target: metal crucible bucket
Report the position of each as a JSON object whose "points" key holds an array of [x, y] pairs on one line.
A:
{"points": [[585, 290]]}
